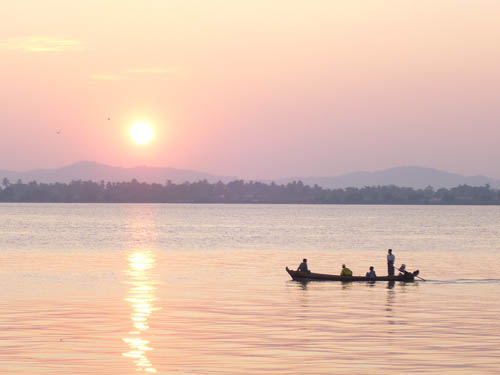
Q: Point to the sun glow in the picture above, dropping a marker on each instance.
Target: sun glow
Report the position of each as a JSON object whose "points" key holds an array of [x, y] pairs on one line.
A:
{"points": [[141, 133]]}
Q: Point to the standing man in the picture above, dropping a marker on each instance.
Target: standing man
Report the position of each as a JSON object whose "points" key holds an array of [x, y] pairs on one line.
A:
{"points": [[390, 262]]}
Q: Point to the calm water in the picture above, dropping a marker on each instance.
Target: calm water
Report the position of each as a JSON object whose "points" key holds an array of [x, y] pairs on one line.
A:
{"points": [[201, 289]]}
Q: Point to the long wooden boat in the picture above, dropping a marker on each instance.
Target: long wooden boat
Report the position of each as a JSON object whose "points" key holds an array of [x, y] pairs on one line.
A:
{"points": [[307, 276]]}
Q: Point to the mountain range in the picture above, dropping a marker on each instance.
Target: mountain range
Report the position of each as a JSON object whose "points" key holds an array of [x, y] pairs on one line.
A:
{"points": [[407, 176], [92, 171]]}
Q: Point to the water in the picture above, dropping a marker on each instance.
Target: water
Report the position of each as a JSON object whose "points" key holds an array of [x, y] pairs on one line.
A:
{"points": [[201, 289]]}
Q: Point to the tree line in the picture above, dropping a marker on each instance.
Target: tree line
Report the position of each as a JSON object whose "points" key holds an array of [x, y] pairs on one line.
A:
{"points": [[239, 191]]}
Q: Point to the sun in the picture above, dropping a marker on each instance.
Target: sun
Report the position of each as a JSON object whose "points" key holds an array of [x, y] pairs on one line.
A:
{"points": [[141, 133]]}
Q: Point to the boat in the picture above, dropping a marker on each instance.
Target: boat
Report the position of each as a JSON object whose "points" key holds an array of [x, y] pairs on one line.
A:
{"points": [[307, 276]]}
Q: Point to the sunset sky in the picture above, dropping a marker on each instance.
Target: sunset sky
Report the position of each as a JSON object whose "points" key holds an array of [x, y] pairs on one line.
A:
{"points": [[256, 89]]}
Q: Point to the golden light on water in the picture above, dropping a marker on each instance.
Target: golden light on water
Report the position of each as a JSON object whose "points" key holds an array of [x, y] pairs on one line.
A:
{"points": [[141, 298], [141, 133]]}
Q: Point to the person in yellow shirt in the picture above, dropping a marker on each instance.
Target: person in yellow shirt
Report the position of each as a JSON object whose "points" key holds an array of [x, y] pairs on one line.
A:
{"points": [[345, 271]]}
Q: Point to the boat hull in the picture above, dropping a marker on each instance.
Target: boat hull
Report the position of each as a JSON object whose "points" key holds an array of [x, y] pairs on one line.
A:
{"points": [[303, 276]]}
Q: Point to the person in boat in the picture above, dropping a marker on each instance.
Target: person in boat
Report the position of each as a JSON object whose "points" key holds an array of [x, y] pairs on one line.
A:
{"points": [[303, 266], [390, 262], [345, 271], [371, 274], [402, 270]]}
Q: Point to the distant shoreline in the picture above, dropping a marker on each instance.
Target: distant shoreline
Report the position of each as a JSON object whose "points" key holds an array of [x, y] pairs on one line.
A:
{"points": [[241, 192]]}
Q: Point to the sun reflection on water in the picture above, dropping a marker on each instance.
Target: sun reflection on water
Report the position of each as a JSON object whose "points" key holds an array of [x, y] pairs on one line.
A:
{"points": [[141, 298]]}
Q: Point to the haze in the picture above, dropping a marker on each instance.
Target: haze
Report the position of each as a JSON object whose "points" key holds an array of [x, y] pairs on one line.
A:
{"points": [[256, 89]]}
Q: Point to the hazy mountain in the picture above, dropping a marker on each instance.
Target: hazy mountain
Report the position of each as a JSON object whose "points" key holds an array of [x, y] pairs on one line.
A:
{"points": [[415, 177], [87, 170]]}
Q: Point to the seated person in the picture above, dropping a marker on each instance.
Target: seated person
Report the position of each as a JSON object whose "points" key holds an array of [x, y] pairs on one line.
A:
{"points": [[402, 270], [371, 273], [303, 266], [345, 271]]}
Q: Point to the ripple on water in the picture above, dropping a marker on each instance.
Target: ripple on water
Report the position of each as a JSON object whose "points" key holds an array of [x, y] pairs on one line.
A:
{"points": [[183, 289]]}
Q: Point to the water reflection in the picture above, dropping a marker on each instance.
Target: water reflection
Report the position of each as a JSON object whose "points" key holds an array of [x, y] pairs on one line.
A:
{"points": [[141, 297]]}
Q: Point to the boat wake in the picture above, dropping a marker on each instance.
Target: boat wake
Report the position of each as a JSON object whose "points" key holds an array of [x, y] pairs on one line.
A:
{"points": [[465, 281]]}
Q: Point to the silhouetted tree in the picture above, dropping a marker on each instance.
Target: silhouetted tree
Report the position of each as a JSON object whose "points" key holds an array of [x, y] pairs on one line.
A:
{"points": [[240, 191]]}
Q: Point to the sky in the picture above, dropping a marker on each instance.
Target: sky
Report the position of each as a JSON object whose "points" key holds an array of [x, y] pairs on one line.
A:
{"points": [[255, 89]]}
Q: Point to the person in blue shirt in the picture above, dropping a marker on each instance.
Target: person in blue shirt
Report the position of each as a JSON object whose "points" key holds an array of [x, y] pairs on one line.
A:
{"points": [[371, 274], [303, 266]]}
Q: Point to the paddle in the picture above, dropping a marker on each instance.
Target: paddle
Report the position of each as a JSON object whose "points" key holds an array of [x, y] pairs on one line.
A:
{"points": [[421, 278]]}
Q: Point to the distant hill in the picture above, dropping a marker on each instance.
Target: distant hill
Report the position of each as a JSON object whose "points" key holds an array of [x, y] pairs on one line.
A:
{"points": [[415, 177], [92, 171]]}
